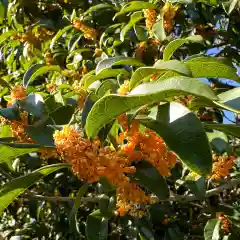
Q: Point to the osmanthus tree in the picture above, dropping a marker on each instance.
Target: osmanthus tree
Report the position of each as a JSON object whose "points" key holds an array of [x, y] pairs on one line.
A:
{"points": [[109, 129]]}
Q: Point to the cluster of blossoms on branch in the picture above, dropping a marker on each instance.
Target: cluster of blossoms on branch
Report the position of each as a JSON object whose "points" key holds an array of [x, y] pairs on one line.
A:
{"points": [[90, 161], [18, 126]]}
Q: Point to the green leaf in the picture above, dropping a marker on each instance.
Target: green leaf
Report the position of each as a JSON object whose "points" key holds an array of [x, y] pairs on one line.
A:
{"points": [[184, 134], [148, 177], [6, 35], [105, 110], [103, 202], [2, 12], [158, 30], [230, 129], [33, 104], [77, 203], [115, 61], [98, 7], [9, 153], [43, 70], [159, 67], [59, 35], [212, 67], [17, 186], [109, 84], [105, 73], [135, 6], [219, 141], [211, 230], [197, 185], [42, 135], [62, 115], [10, 113], [135, 17], [141, 33], [177, 43], [97, 226], [30, 72], [231, 98]]}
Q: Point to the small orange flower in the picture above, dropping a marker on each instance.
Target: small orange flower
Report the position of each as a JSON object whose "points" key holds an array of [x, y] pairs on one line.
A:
{"points": [[124, 88], [89, 33], [222, 166], [225, 223]]}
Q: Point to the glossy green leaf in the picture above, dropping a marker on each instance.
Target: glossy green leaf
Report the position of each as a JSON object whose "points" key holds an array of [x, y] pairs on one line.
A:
{"points": [[158, 30], [105, 73], [2, 12], [141, 33], [10, 113], [159, 67], [115, 61], [59, 35], [184, 134], [231, 98], [43, 70], [33, 104], [135, 17], [104, 110], [177, 43], [135, 6], [219, 141], [103, 202], [212, 67], [109, 84], [77, 203], [66, 111], [17, 186], [211, 230], [148, 177], [197, 185], [6, 35], [96, 226], [230, 129]]}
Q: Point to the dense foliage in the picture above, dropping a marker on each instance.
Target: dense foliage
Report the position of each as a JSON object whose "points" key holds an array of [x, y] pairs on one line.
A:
{"points": [[113, 119]]}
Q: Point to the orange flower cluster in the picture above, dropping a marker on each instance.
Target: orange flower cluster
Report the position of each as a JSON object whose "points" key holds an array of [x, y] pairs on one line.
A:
{"points": [[150, 16], [169, 13], [98, 52], [124, 88], [89, 33], [222, 166], [17, 93], [44, 34], [225, 223], [90, 162], [18, 126]]}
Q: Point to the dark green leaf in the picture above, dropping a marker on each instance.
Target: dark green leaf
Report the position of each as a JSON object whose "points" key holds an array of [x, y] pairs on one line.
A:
{"points": [[17, 186], [219, 141], [197, 185], [10, 113], [96, 227], [33, 104], [99, 7], [59, 34], [135, 17], [2, 12], [30, 72], [105, 110], [62, 115], [148, 177], [43, 70]]}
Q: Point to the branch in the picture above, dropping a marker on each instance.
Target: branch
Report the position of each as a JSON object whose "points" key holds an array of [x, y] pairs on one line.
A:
{"points": [[174, 198], [209, 193]]}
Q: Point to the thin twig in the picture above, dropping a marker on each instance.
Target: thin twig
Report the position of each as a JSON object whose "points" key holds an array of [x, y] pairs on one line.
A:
{"points": [[174, 198]]}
